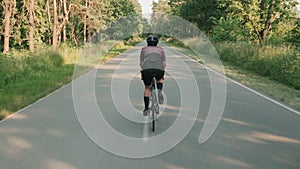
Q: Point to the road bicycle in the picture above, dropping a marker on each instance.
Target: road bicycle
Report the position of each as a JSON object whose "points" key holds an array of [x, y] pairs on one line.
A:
{"points": [[154, 107]]}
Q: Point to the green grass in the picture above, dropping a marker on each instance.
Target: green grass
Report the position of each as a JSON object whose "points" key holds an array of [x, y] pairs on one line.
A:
{"points": [[274, 89], [25, 86], [23, 92], [118, 49], [279, 63]]}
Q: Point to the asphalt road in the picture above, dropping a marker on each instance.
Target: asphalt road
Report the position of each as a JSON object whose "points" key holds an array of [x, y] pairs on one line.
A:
{"points": [[254, 133]]}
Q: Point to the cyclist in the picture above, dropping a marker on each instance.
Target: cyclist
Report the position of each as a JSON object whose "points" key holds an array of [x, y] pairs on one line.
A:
{"points": [[152, 63]]}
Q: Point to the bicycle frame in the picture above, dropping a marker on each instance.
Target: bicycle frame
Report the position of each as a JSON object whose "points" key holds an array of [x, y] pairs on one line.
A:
{"points": [[154, 103]]}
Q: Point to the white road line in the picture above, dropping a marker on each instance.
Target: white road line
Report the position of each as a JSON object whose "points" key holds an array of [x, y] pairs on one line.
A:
{"points": [[239, 84], [145, 130]]}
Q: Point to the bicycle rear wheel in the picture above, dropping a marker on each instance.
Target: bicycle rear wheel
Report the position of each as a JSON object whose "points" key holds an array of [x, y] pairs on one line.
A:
{"points": [[153, 121], [154, 103]]}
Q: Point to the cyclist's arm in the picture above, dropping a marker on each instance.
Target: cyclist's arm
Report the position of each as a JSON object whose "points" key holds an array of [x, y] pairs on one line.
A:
{"points": [[164, 64], [164, 59], [142, 59], [141, 64]]}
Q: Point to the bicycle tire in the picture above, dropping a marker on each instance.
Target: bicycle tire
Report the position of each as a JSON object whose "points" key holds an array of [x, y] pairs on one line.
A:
{"points": [[153, 111], [154, 103], [153, 121]]}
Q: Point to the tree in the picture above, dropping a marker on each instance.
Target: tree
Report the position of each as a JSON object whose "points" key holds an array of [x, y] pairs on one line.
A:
{"points": [[162, 7], [137, 6], [31, 25], [94, 17], [61, 12], [198, 12], [229, 28], [294, 35], [122, 19], [55, 25], [261, 16], [117, 9], [175, 5], [9, 10], [27, 23]]}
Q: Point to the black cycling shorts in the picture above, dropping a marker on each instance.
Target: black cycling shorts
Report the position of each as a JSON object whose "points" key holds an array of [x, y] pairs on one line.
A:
{"points": [[148, 74]]}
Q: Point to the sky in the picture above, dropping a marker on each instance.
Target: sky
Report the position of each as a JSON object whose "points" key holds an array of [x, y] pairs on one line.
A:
{"points": [[146, 5]]}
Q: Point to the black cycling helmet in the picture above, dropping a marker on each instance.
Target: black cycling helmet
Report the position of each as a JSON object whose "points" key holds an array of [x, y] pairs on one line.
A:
{"points": [[152, 40]]}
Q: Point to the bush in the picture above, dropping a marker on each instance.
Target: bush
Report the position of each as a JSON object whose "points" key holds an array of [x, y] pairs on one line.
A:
{"points": [[277, 63], [44, 61], [14, 67], [69, 53]]}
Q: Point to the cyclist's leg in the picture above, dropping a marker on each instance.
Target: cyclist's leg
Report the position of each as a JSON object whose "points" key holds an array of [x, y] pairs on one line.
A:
{"points": [[160, 80], [146, 77], [160, 84], [146, 100]]}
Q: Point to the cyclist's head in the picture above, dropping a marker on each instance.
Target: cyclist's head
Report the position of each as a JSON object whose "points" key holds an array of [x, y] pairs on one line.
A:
{"points": [[152, 40]]}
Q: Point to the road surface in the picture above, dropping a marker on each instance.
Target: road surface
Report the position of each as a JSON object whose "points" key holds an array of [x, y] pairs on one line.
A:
{"points": [[254, 133]]}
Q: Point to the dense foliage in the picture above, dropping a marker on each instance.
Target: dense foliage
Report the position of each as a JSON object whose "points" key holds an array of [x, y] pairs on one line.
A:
{"points": [[255, 21], [14, 68], [68, 21], [258, 35], [277, 63]]}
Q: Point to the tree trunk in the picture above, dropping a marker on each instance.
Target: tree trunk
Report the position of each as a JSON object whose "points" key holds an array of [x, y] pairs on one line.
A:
{"points": [[7, 13], [89, 35], [66, 15], [48, 11], [49, 17], [58, 27], [55, 22], [267, 25], [31, 26], [85, 21]]}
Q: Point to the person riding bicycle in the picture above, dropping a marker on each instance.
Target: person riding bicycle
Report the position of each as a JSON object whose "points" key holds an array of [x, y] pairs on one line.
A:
{"points": [[153, 64]]}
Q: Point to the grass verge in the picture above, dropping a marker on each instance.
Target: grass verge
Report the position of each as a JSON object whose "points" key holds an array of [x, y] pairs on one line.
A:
{"points": [[276, 90], [23, 92], [28, 89]]}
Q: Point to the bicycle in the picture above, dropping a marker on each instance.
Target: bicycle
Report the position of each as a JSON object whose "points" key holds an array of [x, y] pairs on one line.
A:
{"points": [[154, 108]]}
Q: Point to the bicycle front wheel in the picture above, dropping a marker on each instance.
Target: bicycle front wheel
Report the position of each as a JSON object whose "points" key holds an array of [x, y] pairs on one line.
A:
{"points": [[153, 121]]}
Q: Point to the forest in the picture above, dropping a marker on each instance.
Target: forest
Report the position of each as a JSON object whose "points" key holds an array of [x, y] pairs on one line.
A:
{"points": [[262, 36], [29, 23]]}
